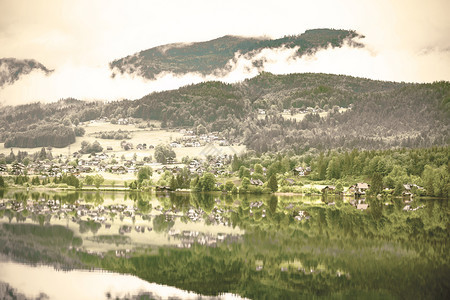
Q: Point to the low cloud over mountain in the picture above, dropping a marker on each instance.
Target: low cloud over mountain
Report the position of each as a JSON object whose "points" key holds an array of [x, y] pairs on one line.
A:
{"points": [[12, 69]]}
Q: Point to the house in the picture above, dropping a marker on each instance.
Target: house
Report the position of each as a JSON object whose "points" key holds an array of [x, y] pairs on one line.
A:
{"points": [[329, 188], [257, 182], [361, 188], [85, 169], [122, 121], [118, 169], [101, 156], [175, 145], [407, 190], [290, 181], [162, 188], [18, 168], [301, 171]]}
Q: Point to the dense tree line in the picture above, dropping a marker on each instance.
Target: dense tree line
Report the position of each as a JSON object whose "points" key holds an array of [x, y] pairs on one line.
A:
{"points": [[45, 135], [426, 167], [114, 135], [88, 148]]}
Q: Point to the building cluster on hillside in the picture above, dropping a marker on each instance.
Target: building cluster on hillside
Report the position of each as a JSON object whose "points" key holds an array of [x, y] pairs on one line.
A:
{"points": [[190, 139]]}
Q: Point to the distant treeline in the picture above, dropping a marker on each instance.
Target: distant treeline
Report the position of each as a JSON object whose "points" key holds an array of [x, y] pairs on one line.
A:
{"points": [[42, 136]]}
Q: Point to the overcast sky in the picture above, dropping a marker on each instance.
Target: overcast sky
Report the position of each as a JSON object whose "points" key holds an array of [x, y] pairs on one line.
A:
{"points": [[406, 40]]}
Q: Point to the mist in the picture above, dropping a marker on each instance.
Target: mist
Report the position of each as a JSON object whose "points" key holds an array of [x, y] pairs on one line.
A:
{"points": [[406, 40], [95, 82]]}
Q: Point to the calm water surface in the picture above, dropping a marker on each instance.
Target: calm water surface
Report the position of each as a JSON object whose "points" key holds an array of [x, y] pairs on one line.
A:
{"points": [[144, 246]]}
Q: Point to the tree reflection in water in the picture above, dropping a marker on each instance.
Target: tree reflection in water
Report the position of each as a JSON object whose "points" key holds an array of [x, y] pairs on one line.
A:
{"points": [[262, 246]]}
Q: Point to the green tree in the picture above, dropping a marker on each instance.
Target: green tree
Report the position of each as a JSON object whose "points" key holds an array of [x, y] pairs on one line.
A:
{"points": [[173, 183], [207, 182], [144, 173], [42, 154], [377, 184], [98, 180], [87, 147], [229, 185], [35, 181], [245, 183], [398, 189], [272, 184], [334, 169], [259, 169], [285, 164], [236, 163], [339, 188], [89, 180], [2, 182], [244, 172], [273, 169], [163, 153]]}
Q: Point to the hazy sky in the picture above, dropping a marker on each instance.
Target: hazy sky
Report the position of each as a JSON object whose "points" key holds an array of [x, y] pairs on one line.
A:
{"points": [[407, 40]]}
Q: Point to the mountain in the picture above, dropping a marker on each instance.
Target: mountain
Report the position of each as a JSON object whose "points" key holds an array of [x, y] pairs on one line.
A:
{"points": [[344, 112], [11, 69], [212, 57]]}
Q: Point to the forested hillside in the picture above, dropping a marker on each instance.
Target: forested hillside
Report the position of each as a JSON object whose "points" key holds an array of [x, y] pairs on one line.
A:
{"points": [[12, 69], [354, 112], [211, 56], [37, 124]]}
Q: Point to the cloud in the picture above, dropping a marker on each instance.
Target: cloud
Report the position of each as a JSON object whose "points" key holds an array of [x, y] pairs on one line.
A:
{"points": [[96, 83], [85, 83], [406, 40]]}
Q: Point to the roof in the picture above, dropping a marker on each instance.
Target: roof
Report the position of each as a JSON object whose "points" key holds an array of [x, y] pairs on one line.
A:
{"points": [[360, 185]]}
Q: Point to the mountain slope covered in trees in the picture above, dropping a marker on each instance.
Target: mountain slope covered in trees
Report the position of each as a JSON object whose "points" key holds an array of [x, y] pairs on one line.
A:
{"points": [[376, 114], [212, 56], [11, 69]]}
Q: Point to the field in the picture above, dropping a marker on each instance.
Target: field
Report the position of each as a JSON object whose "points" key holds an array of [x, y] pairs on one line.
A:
{"points": [[300, 117], [139, 136]]}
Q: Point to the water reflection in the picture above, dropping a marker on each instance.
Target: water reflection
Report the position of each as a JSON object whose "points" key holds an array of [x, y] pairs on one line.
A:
{"points": [[255, 246], [43, 282]]}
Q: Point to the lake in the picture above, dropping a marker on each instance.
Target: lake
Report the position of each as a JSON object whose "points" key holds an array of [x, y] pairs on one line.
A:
{"points": [[117, 245]]}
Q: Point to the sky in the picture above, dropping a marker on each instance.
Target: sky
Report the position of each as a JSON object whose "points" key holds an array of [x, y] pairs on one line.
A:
{"points": [[406, 40]]}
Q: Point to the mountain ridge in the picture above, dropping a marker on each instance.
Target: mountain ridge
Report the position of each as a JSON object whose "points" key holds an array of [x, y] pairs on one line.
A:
{"points": [[212, 57]]}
